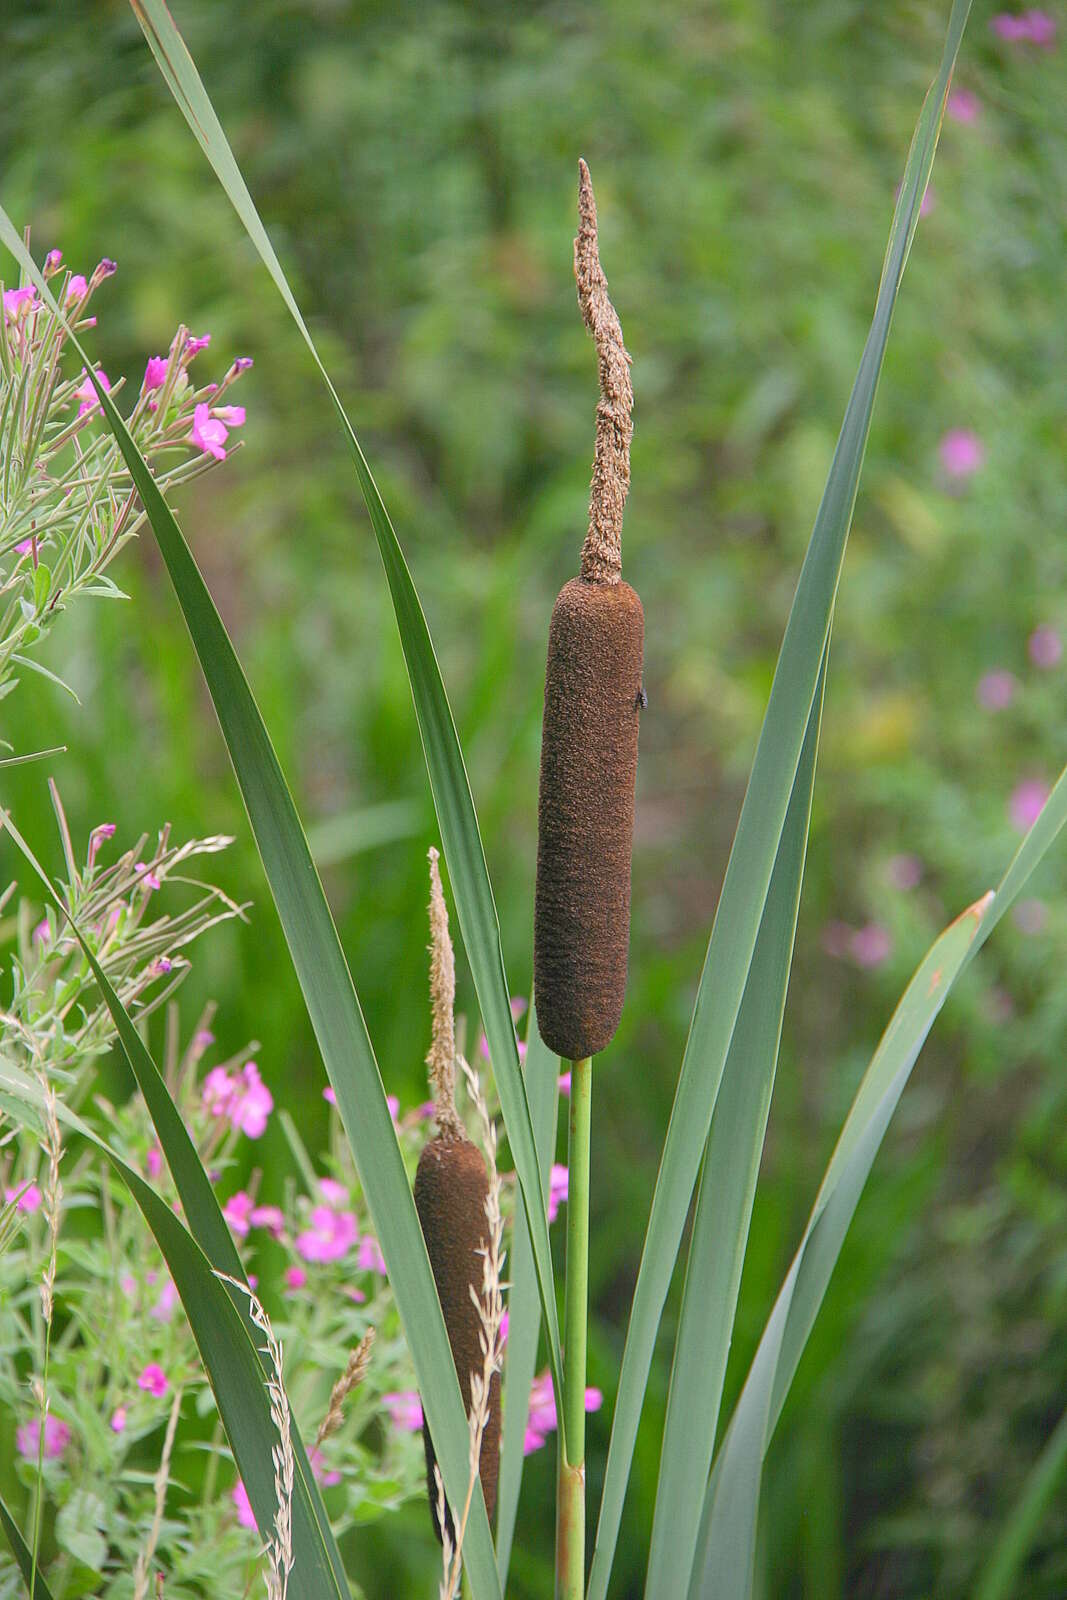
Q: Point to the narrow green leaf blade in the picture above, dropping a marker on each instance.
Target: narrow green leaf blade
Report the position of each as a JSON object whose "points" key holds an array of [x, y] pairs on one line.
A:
{"points": [[541, 1072], [449, 784], [999, 1580], [326, 983], [724, 1204], [731, 1504], [759, 831], [22, 1553]]}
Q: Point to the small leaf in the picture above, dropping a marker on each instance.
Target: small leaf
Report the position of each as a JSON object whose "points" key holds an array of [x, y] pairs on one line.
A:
{"points": [[42, 586]]}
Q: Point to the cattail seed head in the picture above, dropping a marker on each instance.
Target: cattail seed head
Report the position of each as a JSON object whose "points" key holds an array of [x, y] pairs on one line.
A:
{"points": [[451, 1189]]}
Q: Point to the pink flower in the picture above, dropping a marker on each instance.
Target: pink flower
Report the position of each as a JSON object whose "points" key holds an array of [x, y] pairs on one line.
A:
{"points": [[329, 1096], [295, 1277], [240, 1499], [1044, 647], [155, 373], [1042, 28], [153, 1380], [254, 1103], [217, 1092], [102, 831], [232, 416], [1027, 803], [153, 1163], [27, 1197], [202, 1039], [335, 1194], [393, 1103], [118, 1419], [962, 106], [870, 945], [77, 288], [565, 1083], [505, 1324], [269, 1217], [15, 299], [237, 1211], [56, 1438], [42, 933], [163, 1309], [558, 1189], [242, 364], [370, 1256], [195, 345], [209, 434], [425, 1111], [542, 1415], [1030, 916], [1032, 27], [24, 546], [324, 1475], [331, 1235], [104, 269], [52, 262], [405, 1410], [88, 395], [904, 872], [996, 690], [962, 452], [149, 880]]}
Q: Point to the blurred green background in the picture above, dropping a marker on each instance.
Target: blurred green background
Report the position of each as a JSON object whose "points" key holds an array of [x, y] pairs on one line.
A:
{"points": [[416, 165]]}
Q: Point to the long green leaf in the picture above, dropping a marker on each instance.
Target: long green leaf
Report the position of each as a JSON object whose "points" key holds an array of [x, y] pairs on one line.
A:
{"points": [[22, 1554], [727, 1536], [451, 790], [231, 1360], [999, 1580], [759, 832], [326, 983], [541, 1072], [201, 1207], [724, 1204]]}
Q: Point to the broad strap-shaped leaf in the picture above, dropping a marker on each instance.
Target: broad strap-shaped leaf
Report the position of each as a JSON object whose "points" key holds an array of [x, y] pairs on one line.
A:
{"points": [[724, 1204], [451, 790], [231, 1360], [198, 1198], [23, 1554], [728, 1528], [326, 983], [759, 832], [541, 1071]]}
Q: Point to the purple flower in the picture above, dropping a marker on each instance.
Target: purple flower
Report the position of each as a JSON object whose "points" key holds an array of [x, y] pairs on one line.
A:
{"points": [[209, 434], [88, 395], [153, 1380], [1031, 27], [870, 945], [103, 269], [962, 106], [405, 1410], [27, 1197], [155, 373], [77, 289], [904, 872], [238, 1211], [558, 1189], [1044, 647], [331, 1235], [242, 364], [56, 1438], [996, 690], [245, 1515], [194, 346], [961, 452], [1027, 803], [52, 262]]}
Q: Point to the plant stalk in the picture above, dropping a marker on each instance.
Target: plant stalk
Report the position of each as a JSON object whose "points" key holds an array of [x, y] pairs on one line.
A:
{"points": [[570, 1510]]}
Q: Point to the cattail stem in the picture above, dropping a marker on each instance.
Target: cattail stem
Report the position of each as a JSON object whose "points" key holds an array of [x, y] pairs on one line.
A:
{"points": [[570, 1519]]}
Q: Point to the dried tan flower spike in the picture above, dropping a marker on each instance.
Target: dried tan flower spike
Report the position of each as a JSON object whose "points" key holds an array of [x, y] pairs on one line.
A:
{"points": [[593, 697]]}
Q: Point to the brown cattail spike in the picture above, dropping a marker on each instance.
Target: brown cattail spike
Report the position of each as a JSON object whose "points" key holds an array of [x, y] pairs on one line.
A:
{"points": [[441, 1060], [593, 697], [451, 1188]]}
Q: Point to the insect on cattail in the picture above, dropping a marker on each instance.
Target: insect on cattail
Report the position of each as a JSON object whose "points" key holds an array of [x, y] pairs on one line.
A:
{"points": [[451, 1190], [593, 698]]}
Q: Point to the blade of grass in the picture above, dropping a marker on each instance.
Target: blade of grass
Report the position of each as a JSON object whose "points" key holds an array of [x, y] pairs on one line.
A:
{"points": [[541, 1072], [232, 1361], [21, 1552], [759, 832], [728, 1529], [449, 784], [724, 1204], [999, 1580], [198, 1198], [325, 982]]}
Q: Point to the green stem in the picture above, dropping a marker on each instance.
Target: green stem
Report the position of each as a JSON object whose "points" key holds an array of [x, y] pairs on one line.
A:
{"points": [[570, 1515]]}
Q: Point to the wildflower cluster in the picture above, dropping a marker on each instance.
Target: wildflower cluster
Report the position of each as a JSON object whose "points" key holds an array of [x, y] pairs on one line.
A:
{"points": [[67, 501]]}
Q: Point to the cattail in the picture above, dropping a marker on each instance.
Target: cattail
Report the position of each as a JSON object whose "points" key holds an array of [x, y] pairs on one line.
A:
{"points": [[593, 699], [451, 1190]]}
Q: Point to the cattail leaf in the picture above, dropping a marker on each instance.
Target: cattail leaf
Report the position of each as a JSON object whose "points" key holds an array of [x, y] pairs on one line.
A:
{"points": [[231, 1360], [22, 1553], [541, 1071], [759, 831], [728, 1528], [449, 784], [724, 1204], [198, 1198], [325, 981], [999, 1580]]}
